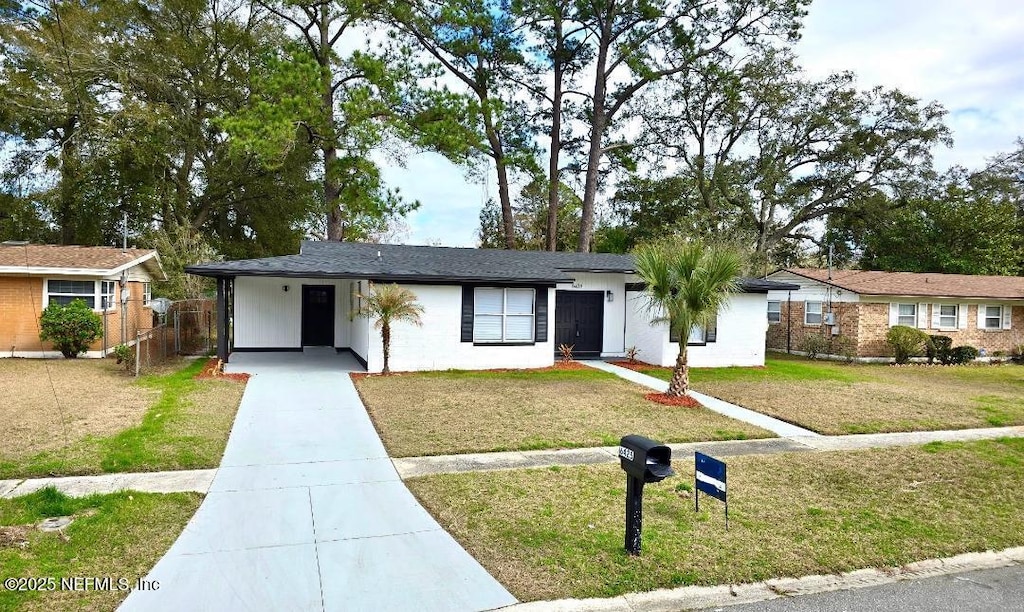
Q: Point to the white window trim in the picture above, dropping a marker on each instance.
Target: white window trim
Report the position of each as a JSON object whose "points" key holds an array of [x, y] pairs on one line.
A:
{"points": [[938, 317], [903, 316], [147, 294], [504, 316], [820, 313], [97, 293], [775, 312], [984, 318]]}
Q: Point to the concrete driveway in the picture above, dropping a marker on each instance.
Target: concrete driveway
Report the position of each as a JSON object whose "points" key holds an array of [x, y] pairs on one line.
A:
{"points": [[307, 512]]}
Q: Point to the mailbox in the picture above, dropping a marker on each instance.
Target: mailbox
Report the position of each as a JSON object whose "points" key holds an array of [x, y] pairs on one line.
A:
{"points": [[645, 459]]}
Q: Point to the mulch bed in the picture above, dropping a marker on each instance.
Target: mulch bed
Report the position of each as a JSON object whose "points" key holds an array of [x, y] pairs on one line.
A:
{"points": [[215, 369], [685, 401], [637, 366]]}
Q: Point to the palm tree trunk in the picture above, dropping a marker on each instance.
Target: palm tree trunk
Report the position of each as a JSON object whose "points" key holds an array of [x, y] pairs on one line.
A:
{"points": [[385, 334], [680, 374]]}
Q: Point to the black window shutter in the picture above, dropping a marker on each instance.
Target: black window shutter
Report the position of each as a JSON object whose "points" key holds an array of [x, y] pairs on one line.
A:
{"points": [[712, 332], [673, 333], [540, 320], [467, 313]]}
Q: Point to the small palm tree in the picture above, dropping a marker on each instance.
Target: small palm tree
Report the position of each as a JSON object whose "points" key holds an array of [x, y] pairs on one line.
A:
{"points": [[687, 282], [390, 304]]}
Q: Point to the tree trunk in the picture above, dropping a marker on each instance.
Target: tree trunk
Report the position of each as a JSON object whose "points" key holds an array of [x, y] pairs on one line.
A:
{"points": [[556, 139], [597, 128], [385, 335], [69, 176], [498, 154], [680, 374], [332, 190]]}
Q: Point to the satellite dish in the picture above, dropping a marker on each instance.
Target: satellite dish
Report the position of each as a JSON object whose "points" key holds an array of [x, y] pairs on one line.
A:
{"points": [[160, 305]]}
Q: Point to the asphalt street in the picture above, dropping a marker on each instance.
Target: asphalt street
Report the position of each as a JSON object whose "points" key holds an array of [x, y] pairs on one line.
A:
{"points": [[978, 591]]}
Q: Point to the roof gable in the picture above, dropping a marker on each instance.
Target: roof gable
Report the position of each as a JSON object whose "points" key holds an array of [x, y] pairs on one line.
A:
{"points": [[925, 284], [18, 258]]}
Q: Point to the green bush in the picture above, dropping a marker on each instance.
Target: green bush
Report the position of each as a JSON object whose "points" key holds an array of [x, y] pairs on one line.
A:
{"points": [[938, 348], [125, 355], [905, 342], [963, 354], [814, 344], [71, 328]]}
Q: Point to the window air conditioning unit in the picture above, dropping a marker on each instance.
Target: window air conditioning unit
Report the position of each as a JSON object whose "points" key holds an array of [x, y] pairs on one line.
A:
{"points": [[830, 318]]}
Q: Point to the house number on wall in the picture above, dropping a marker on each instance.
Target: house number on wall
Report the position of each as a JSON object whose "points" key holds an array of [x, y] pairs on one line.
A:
{"points": [[577, 285]]}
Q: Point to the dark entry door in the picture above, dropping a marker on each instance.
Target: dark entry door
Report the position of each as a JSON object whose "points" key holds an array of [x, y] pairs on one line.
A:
{"points": [[579, 320], [318, 315]]}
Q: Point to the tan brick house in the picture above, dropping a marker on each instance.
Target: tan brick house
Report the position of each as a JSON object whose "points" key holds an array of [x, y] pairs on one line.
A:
{"points": [[986, 312], [115, 282]]}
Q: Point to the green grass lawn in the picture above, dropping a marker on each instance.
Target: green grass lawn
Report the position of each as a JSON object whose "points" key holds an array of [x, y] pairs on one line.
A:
{"points": [[173, 422], [432, 413], [838, 398], [558, 532], [119, 536]]}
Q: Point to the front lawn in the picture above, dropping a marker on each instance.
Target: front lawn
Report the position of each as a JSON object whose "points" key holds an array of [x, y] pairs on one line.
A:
{"points": [[432, 413], [86, 416], [120, 536], [837, 398], [558, 532]]}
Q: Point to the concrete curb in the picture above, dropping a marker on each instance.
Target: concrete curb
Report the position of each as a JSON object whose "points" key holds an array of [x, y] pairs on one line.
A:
{"points": [[698, 597], [6, 486], [148, 482]]}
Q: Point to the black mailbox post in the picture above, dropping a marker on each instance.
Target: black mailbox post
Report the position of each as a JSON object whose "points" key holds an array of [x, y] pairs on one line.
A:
{"points": [[643, 460]]}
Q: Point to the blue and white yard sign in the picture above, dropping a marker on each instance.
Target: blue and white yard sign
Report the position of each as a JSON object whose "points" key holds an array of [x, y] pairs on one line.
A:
{"points": [[710, 478]]}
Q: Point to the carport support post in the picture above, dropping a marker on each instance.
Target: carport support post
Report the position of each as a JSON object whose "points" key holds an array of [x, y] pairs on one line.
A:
{"points": [[222, 319], [634, 514]]}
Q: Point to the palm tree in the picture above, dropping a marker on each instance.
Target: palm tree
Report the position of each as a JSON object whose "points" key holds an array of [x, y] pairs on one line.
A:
{"points": [[687, 282], [390, 304]]}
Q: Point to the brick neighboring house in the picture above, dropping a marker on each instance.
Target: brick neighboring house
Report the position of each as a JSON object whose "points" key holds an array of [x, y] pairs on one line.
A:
{"points": [[114, 282], [986, 312]]}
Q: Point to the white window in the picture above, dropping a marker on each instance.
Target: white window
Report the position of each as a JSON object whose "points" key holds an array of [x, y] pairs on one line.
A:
{"points": [[147, 293], [108, 290], [907, 315], [503, 315], [947, 316], [65, 291], [774, 312], [993, 317], [812, 313], [698, 335]]}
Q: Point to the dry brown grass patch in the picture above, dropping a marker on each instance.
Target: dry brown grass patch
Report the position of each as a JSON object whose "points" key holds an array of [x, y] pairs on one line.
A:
{"points": [[88, 397], [463, 412]]}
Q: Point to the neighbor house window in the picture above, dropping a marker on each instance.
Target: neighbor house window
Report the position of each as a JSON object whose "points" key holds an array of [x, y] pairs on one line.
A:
{"points": [[907, 315], [993, 317], [65, 291], [947, 316], [812, 313], [147, 293], [503, 315], [774, 312], [107, 295]]}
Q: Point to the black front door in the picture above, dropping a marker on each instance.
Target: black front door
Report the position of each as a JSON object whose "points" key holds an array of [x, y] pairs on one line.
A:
{"points": [[318, 315], [579, 321]]}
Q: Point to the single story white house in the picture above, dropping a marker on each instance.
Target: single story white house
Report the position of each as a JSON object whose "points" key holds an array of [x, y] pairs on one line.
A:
{"points": [[482, 308]]}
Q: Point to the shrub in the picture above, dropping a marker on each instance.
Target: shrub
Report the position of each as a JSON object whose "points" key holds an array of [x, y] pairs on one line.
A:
{"points": [[814, 344], [631, 354], [845, 347], [566, 351], [905, 342], [963, 354], [938, 347], [71, 328], [125, 355]]}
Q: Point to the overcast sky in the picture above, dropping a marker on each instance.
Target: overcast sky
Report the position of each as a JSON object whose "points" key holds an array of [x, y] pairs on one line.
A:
{"points": [[966, 54]]}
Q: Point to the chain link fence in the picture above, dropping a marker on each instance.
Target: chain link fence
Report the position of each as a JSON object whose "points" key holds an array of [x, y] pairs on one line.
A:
{"points": [[135, 333]]}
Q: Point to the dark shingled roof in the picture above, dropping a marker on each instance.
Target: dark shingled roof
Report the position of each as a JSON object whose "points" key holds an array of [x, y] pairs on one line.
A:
{"points": [[405, 263]]}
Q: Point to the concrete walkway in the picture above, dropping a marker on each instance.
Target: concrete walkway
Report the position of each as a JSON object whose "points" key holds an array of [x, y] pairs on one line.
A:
{"points": [[307, 512], [779, 428]]}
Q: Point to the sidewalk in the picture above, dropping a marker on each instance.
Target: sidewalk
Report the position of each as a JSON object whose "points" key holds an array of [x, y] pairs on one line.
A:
{"points": [[306, 511]]}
